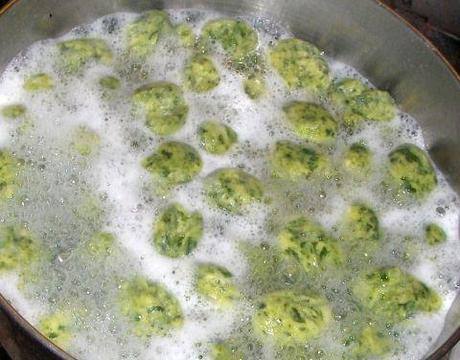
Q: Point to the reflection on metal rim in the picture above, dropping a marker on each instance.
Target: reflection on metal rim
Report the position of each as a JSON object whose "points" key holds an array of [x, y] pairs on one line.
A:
{"points": [[12, 314], [33, 333]]}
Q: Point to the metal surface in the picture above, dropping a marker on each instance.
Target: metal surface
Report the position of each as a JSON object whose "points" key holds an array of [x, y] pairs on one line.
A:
{"points": [[359, 32]]}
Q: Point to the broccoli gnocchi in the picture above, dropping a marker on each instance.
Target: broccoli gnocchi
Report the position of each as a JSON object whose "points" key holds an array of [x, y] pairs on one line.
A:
{"points": [[236, 37], [149, 307], [311, 121], [177, 231], [79, 52], [143, 34], [395, 294], [216, 138], [173, 163], [289, 317], [201, 74], [233, 189], [39, 82], [411, 171], [18, 247], [293, 161], [13, 111], [180, 185], [164, 105], [307, 243], [216, 283], [58, 327], [301, 65], [10, 167], [360, 103]]}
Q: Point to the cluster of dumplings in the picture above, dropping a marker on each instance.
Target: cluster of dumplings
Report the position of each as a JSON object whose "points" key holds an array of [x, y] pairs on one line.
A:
{"points": [[284, 318]]}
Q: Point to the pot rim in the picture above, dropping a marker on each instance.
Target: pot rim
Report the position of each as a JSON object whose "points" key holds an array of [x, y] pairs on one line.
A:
{"points": [[17, 318]]}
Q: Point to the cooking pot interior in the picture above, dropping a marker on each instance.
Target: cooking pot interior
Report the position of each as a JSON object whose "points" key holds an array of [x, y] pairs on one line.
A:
{"points": [[361, 33]]}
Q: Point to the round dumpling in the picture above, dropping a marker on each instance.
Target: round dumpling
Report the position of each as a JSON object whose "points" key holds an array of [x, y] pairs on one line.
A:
{"points": [[307, 243], [173, 163], [216, 283], [164, 105], [342, 92], [301, 65], [177, 231], [143, 34], [434, 234], [288, 317], [311, 121], [292, 161], [39, 82], [9, 174], [232, 189], [216, 138], [236, 37], [358, 159], [76, 53], [395, 295], [149, 307], [58, 327], [411, 171], [13, 111], [18, 248], [201, 74], [361, 226]]}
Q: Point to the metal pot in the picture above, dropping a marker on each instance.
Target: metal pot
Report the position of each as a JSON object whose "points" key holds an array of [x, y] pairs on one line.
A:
{"points": [[362, 33]]}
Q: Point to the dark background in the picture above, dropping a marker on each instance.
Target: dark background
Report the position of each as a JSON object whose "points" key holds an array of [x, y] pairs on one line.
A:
{"points": [[438, 20]]}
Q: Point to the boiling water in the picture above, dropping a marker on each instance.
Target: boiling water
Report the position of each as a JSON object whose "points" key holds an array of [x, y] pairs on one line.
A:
{"points": [[56, 183]]}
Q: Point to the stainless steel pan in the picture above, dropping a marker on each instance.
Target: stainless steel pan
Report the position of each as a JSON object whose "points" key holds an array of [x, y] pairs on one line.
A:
{"points": [[362, 33]]}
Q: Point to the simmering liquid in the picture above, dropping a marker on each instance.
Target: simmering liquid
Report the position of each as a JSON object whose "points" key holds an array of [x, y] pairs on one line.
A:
{"points": [[79, 140]]}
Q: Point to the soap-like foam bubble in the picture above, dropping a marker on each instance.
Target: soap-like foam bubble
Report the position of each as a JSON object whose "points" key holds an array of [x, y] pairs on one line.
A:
{"points": [[58, 182]]}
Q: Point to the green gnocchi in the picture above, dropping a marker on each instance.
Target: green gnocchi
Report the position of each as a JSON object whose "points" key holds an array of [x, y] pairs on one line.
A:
{"points": [[18, 248], [177, 231], [10, 167], [216, 284], [144, 33], [233, 189], [165, 107], [236, 37], [201, 74], [311, 121], [307, 243], [76, 53], [39, 82], [173, 163], [293, 161], [216, 138], [411, 171], [395, 294], [301, 65], [291, 316], [149, 307]]}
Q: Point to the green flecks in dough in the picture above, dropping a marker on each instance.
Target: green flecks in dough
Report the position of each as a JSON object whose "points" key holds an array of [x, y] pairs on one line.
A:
{"points": [[39, 82], [173, 163], [144, 33], [311, 121], [232, 189], [165, 107], [301, 65], [76, 53], [177, 231], [201, 74], [434, 234], [216, 138]]}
